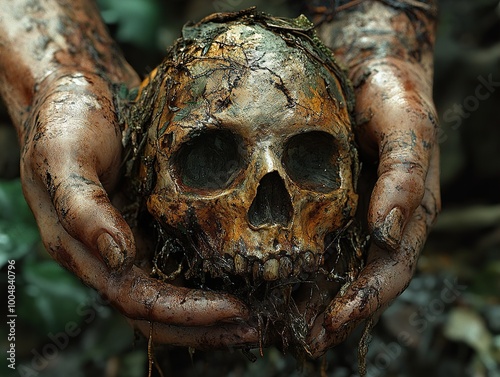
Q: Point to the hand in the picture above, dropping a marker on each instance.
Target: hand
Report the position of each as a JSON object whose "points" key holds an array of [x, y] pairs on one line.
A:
{"points": [[70, 160], [397, 121]]}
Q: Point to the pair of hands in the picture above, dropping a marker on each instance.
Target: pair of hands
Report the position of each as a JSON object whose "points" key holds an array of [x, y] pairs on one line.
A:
{"points": [[71, 159]]}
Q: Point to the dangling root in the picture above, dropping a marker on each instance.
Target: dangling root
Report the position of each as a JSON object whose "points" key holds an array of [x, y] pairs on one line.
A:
{"points": [[151, 355]]}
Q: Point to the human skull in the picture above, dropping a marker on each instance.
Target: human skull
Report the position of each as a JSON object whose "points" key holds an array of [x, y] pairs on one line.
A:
{"points": [[240, 145], [249, 162]]}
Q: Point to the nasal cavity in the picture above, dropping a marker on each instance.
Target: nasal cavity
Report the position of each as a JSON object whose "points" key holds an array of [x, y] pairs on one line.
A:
{"points": [[272, 204]]}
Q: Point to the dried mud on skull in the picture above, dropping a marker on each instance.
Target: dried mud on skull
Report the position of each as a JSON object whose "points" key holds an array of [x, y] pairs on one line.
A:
{"points": [[242, 170]]}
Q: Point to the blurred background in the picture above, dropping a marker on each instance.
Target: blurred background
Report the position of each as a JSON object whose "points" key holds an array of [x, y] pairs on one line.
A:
{"points": [[447, 323]]}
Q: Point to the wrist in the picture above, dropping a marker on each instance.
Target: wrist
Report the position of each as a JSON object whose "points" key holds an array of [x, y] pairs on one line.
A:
{"points": [[388, 93], [390, 71], [361, 31], [70, 93], [39, 40]]}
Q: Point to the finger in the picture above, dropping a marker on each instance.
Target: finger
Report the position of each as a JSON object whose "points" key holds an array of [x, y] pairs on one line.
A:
{"points": [[431, 203], [76, 147], [402, 171], [384, 278], [201, 338], [141, 297], [386, 275], [85, 211], [397, 117], [134, 294]]}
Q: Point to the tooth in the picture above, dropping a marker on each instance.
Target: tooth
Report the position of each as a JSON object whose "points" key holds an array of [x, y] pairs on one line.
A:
{"points": [[297, 266], [257, 271], [240, 264], [285, 268], [309, 261], [271, 270]]}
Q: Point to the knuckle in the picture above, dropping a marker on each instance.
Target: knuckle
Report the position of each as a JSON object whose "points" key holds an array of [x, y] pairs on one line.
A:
{"points": [[404, 172], [69, 194]]}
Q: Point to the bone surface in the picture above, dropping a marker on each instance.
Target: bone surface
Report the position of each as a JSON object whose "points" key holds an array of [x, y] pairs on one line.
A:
{"points": [[247, 161]]}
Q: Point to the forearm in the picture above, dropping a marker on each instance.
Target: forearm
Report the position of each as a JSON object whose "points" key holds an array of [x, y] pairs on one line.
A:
{"points": [[361, 32], [39, 38]]}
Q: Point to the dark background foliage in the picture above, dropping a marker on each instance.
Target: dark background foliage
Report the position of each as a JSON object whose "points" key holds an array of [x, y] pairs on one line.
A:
{"points": [[446, 323]]}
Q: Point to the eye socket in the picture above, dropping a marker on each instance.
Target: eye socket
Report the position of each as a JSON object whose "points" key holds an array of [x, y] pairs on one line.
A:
{"points": [[210, 161], [311, 161]]}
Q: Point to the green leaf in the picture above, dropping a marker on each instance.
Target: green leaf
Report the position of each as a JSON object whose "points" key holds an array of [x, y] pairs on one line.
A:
{"points": [[137, 21]]}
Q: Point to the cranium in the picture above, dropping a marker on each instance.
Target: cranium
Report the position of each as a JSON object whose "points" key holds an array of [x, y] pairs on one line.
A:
{"points": [[248, 163]]}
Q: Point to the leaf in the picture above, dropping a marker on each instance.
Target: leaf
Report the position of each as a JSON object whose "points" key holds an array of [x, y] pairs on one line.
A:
{"points": [[467, 326], [137, 20]]}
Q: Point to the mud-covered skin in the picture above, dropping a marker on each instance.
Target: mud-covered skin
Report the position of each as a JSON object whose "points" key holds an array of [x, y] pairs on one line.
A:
{"points": [[41, 37], [387, 47], [58, 72], [246, 158], [52, 53], [389, 56]]}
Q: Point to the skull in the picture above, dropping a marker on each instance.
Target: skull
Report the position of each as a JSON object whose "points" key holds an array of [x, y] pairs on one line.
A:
{"points": [[243, 147], [249, 162]]}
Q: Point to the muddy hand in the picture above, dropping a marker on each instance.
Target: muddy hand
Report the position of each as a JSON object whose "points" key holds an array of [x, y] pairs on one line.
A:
{"points": [[405, 200], [71, 156], [385, 276], [390, 65], [73, 146], [55, 79], [397, 126]]}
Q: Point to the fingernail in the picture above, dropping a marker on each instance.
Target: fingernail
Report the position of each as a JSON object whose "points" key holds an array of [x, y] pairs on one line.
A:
{"points": [[392, 229], [111, 253]]}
